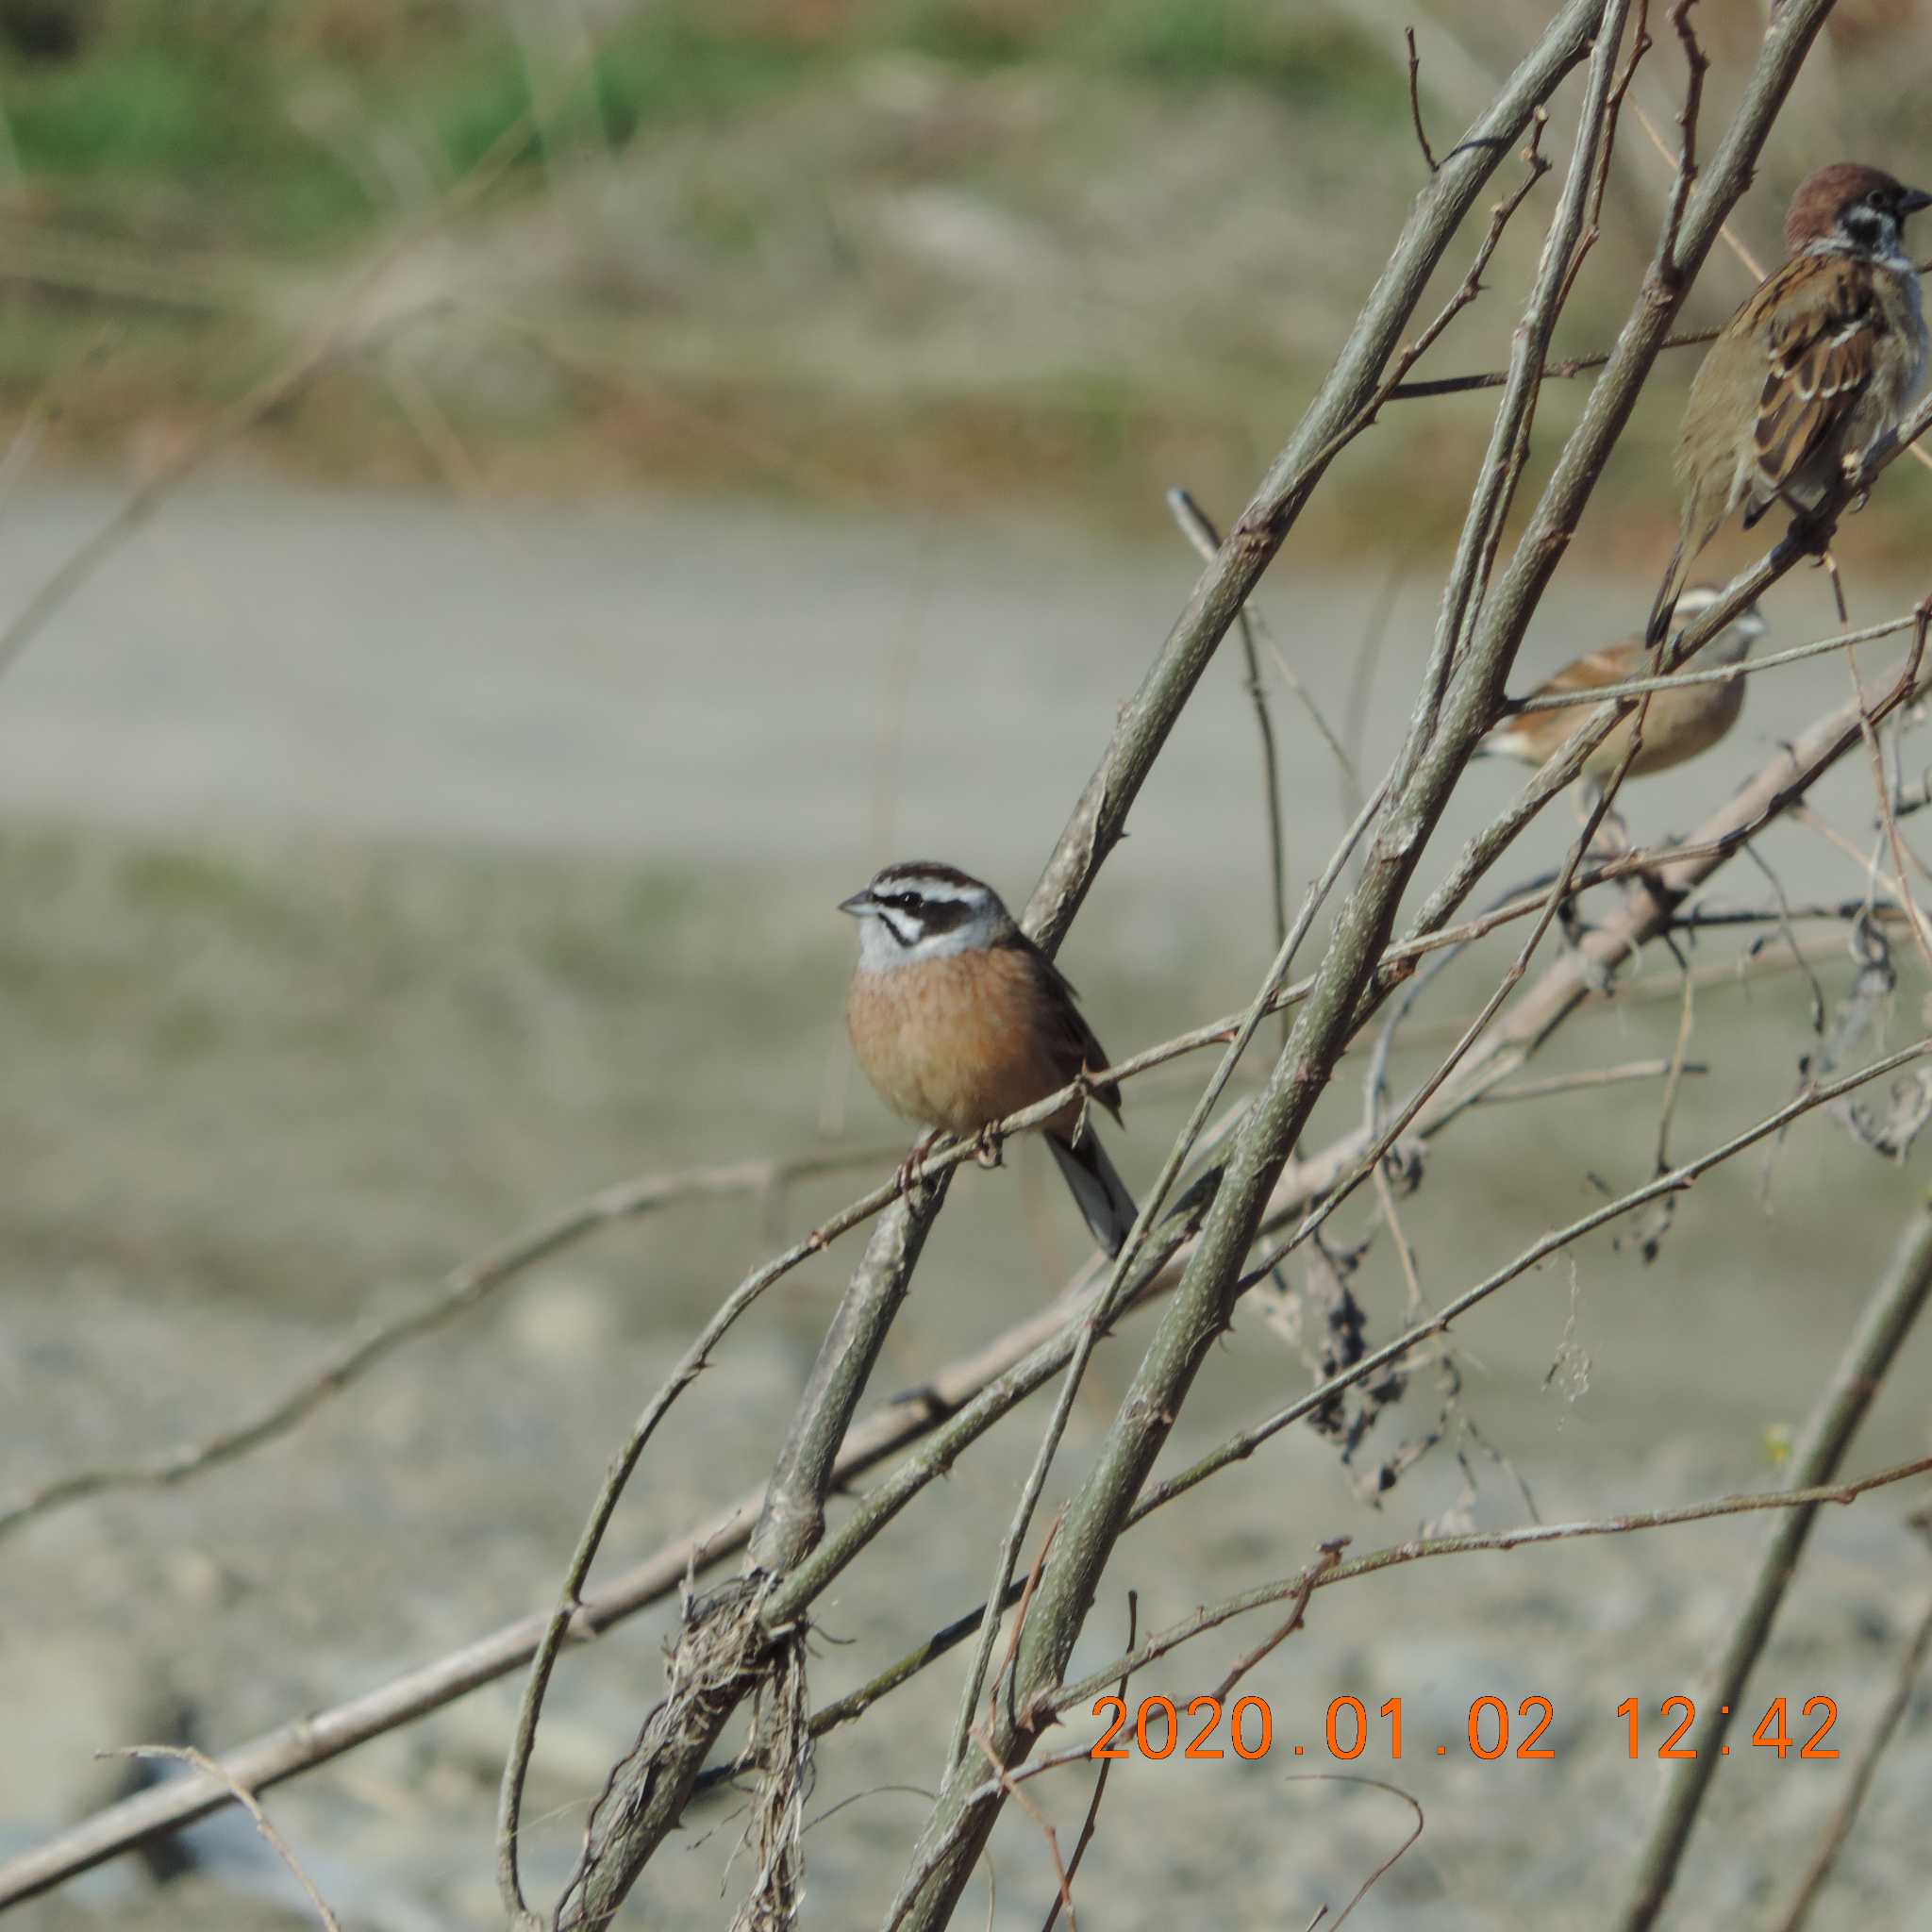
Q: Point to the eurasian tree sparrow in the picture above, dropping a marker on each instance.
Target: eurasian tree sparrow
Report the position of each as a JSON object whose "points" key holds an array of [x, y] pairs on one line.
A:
{"points": [[1679, 724], [1809, 378], [960, 1020]]}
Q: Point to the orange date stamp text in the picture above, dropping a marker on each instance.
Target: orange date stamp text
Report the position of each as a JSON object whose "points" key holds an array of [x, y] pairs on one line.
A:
{"points": [[1159, 1728]]}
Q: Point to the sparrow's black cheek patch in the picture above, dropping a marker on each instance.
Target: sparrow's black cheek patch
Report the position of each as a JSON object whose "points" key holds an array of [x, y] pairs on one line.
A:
{"points": [[1867, 228]]}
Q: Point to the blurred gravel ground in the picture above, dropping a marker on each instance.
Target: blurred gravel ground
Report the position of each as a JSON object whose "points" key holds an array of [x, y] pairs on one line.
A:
{"points": [[360, 915]]}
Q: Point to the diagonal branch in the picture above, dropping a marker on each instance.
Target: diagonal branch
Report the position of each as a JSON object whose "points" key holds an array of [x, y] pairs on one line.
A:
{"points": [[1895, 1304]]}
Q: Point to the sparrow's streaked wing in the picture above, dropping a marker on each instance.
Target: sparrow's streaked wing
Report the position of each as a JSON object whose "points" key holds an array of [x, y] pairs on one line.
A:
{"points": [[1821, 327]]}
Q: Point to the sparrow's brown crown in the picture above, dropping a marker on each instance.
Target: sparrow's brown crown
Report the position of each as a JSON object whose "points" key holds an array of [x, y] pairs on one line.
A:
{"points": [[1850, 202]]}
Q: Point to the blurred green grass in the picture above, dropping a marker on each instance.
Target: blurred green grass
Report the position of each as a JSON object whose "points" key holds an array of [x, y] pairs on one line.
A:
{"points": [[191, 103], [869, 250]]}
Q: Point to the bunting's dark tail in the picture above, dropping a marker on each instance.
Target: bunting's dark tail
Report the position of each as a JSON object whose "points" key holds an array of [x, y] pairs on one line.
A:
{"points": [[1101, 1192]]}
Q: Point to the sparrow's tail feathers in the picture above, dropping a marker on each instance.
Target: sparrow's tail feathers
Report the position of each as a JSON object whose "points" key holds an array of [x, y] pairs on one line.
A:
{"points": [[1666, 605], [1101, 1192]]}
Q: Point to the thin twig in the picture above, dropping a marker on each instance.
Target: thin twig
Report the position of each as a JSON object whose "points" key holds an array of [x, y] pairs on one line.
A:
{"points": [[1844, 1814], [1888, 818], [1106, 1765], [185, 1754], [1696, 67], [1590, 1076], [1716, 674], [1331, 1555], [1551, 372], [1553, 901], [1032, 1583], [1200, 532], [1536, 167], [462, 1290], [1680, 1049], [1415, 101], [1038, 1817], [1066, 1697], [1374, 1784], [1362, 680]]}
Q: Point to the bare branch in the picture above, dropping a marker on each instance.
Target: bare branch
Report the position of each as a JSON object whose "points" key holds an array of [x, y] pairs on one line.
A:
{"points": [[1551, 372], [1590, 1076], [1697, 66]]}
